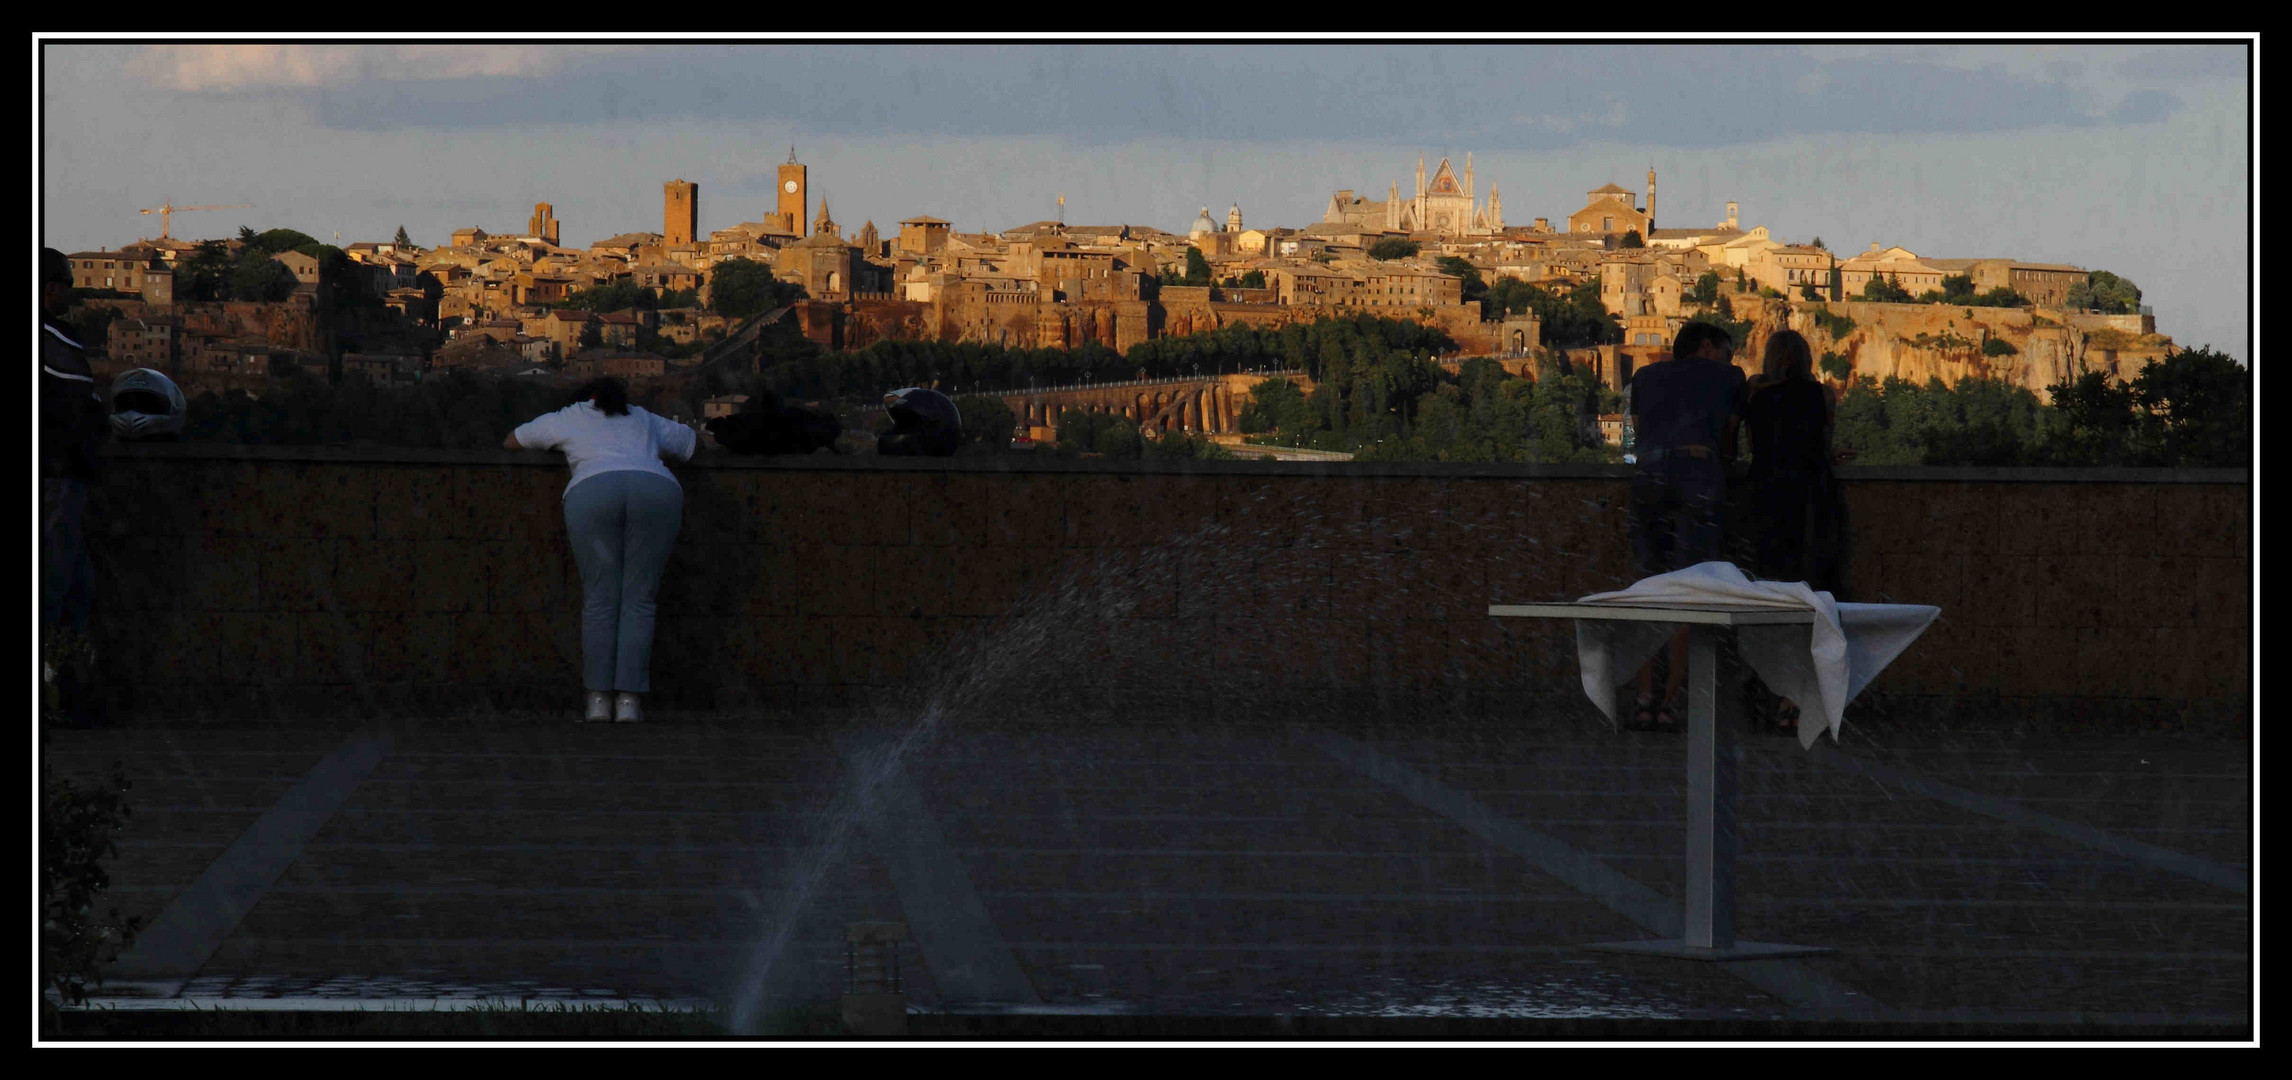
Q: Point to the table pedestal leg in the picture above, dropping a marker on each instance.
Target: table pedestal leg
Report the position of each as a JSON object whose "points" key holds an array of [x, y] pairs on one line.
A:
{"points": [[1709, 929], [1710, 805]]}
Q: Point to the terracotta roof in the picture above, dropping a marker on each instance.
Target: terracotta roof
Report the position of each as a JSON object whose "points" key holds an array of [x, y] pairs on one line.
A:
{"points": [[1609, 189]]}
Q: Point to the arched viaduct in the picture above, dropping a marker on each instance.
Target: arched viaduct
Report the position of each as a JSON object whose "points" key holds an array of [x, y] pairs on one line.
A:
{"points": [[1204, 405]]}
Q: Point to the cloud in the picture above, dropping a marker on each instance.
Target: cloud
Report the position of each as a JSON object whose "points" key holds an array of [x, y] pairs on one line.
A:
{"points": [[1486, 97], [225, 68], [1615, 115], [2186, 62], [2145, 107]]}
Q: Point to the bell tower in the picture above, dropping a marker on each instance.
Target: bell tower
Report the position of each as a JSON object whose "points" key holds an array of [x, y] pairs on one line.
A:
{"points": [[795, 195], [1651, 197]]}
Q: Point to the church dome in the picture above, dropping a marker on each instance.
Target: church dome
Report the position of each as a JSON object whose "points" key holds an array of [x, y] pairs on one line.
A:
{"points": [[1203, 224]]}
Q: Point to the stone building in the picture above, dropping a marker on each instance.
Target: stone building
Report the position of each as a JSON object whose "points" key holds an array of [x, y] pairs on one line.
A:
{"points": [[1446, 206], [1610, 210], [680, 212], [924, 236], [795, 194], [134, 343], [117, 270], [826, 266], [543, 224], [1790, 268], [1897, 264]]}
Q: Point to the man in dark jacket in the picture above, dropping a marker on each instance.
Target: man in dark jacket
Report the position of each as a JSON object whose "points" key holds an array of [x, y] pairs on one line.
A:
{"points": [[72, 425], [1686, 414]]}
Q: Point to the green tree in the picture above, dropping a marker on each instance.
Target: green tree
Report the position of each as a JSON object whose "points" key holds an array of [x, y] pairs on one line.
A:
{"points": [[742, 288], [988, 423], [205, 274], [1817, 242], [1957, 288], [401, 239], [1837, 367], [1631, 240], [258, 277], [1885, 289], [2106, 293], [1466, 273], [1807, 292], [1197, 267], [2197, 406], [277, 240], [592, 335], [1255, 279], [1706, 287], [1998, 346], [1393, 247], [2002, 296]]}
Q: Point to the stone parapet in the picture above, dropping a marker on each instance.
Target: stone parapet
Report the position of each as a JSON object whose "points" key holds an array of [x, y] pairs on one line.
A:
{"points": [[294, 580]]}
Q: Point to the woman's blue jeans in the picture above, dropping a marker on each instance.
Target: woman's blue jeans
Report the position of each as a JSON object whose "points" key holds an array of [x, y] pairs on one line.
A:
{"points": [[622, 525]]}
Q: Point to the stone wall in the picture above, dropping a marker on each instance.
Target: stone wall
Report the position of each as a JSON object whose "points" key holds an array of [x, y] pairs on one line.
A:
{"points": [[280, 582]]}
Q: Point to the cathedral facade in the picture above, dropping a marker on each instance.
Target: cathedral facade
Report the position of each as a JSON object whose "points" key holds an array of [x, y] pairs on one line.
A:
{"points": [[1444, 206]]}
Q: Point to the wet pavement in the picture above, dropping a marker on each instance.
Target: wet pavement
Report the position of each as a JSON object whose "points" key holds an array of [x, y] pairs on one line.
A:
{"points": [[1191, 869]]}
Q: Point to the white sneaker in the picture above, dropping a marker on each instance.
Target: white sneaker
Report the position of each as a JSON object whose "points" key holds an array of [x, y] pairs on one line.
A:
{"points": [[600, 707], [625, 709]]}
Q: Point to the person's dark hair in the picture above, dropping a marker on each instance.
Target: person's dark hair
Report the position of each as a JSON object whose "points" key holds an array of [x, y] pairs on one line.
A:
{"points": [[612, 395], [1788, 357], [1693, 335], [55, 268]]}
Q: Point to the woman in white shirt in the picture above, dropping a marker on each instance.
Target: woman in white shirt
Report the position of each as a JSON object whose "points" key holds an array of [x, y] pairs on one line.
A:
{"points": [[622, 512]]}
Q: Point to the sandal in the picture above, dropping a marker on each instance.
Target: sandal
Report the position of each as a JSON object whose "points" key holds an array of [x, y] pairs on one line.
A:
{"points": [[1671, 717], [1643, 715], [1787, 717]]}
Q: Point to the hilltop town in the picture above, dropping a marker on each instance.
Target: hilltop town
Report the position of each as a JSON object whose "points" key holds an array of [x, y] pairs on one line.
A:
{"points": [[519, 304]]}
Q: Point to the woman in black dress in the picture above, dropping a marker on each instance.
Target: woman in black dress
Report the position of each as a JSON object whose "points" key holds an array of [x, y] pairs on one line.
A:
{"points": [[1799, 518]]}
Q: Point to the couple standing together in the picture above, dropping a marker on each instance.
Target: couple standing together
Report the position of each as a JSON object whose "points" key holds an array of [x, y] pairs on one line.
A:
{"points": [[1687, 412]]}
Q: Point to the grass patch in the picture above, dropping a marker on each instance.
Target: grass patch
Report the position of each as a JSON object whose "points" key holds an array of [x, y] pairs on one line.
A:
{"points": [[498, 1021]]}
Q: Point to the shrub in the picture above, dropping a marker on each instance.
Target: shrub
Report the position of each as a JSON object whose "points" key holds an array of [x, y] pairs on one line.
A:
{"points": [[1837, 326], [79, 828], [1998, 347], [1837, 367]]}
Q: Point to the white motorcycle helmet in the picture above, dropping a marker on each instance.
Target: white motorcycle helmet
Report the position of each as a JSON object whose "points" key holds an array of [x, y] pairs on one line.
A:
{"points": [[146, 405]]}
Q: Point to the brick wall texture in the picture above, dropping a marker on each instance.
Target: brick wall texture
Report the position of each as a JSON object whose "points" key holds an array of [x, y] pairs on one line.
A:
{"points": [[356, 587]]}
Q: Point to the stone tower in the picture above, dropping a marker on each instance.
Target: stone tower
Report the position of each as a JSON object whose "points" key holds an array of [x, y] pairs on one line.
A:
{"points": [[1495, 209], [869, 240], [1731, 218], [795, 193], [543, 225], [825, 225], [1651, 197], [1234, 219], [680, 212]]}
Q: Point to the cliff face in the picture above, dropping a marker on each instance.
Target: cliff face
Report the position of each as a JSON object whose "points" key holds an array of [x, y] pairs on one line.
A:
{"points": [[1919, 342]]}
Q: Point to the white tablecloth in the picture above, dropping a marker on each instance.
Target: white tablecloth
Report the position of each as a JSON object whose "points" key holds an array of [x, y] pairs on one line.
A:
{"points": [[1821, 667]]}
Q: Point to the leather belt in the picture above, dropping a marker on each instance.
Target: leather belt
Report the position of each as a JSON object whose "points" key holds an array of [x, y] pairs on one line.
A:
{"points": [[1658, 453]]}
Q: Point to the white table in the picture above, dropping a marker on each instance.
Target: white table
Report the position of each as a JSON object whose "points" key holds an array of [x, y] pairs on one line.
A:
{"points": [[1710, 924]]}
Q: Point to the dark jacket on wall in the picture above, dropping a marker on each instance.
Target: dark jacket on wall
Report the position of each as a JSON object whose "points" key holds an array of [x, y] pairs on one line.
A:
{"points": [[73, 420]]}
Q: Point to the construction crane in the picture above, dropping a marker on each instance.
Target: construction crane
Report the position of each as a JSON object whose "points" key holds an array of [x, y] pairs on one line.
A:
{"points": [[167, 210]]}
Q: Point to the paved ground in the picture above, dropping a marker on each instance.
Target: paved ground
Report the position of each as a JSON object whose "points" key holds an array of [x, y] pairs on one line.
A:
{"points": [[1449, 868]]}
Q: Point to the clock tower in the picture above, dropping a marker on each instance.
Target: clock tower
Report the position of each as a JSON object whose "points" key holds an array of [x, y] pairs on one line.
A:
{"points": [[795, 196]]}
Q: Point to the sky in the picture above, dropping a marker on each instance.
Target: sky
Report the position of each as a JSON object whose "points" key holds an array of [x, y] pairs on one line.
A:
{"points": [[2128, 157]]}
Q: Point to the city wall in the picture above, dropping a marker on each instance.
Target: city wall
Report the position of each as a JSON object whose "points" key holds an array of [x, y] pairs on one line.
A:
{"points": [[294, 583]]}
